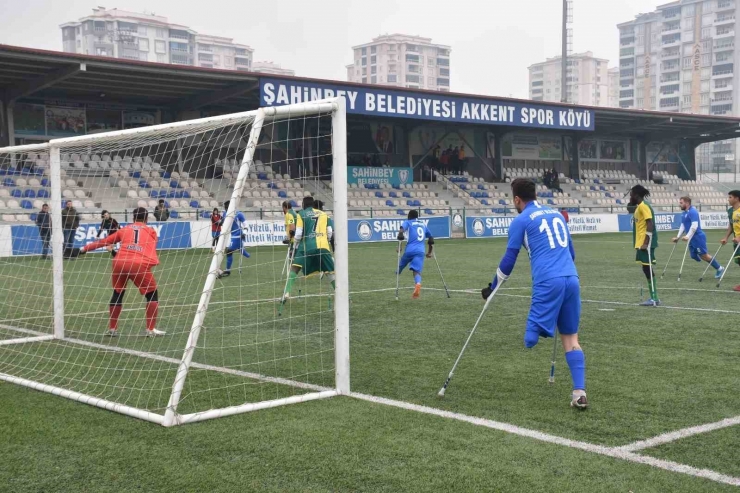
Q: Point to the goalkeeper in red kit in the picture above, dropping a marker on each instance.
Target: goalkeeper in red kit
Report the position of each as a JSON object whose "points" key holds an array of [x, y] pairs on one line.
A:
{"points": [[136, 257]]}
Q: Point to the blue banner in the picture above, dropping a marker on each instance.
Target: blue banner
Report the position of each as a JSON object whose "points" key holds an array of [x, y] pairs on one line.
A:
{"points": [[172, 235], [368, 230], [663, 221], [372, 101], [363, 175], [487, 226]]}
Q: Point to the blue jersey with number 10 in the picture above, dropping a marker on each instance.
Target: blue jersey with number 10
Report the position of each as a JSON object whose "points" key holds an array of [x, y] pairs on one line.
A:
{"points": [[543, 232], [416, 232]]}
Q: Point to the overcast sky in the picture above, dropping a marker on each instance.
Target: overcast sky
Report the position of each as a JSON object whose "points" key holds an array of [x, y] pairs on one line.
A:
{"points": [[493, 42]]}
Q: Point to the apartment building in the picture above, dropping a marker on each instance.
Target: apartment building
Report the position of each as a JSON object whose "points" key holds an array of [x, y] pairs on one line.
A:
{"points": [[402, 61], [587, 80]]}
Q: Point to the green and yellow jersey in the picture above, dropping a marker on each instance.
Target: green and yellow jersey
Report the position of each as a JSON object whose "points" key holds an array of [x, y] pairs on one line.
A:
{"points": [[314, 224], [289, 221], [643, 212], [734, 216]]}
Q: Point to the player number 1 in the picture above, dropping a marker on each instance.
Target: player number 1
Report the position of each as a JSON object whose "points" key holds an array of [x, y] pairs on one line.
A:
{"points": [[561, 237]]}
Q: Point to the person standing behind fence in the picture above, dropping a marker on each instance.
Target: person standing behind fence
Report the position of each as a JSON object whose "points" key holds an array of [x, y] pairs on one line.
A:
{"points": [[70, 223], [43, 221]]}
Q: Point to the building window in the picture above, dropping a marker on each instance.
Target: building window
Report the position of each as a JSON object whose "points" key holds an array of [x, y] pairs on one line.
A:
{"points": [[364, 80], [430, 81], [412, 78], [443, 62], [391, 48], [430, 61], [391, 69], [142, 30], [373, 60], [143, 44], [373, 49], [364, 61], [705, 86], [373, 69], [363, 51], [205, 57], [364, 70], [217, 59], [160, 47], [374, 79], [229, 61], [687, 87], [392, 78], [686, 63], [446, 72], [161, 33], [443, 82], [161, 58], [705, 98]]}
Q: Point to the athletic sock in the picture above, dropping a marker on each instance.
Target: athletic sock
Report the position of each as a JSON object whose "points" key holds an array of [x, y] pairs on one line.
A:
{"points": [[652, 286], [577, 364], [229, 261], [246, 255], [291, 279], [417, 278], [715, 265], [115, 312], [152, 309]]}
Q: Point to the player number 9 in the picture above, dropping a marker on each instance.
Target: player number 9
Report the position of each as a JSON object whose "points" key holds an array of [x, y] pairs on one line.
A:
{"points": [[420, 234]]}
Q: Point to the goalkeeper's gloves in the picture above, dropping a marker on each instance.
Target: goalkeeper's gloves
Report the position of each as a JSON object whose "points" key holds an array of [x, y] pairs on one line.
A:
{"points": [[286, 241], [400, 237]]}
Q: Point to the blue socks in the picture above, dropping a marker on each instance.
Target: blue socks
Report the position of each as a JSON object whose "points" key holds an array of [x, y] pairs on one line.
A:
{"points": [[417, 278], [715, 264], [229, 261], [244, 252], [577, 364]]}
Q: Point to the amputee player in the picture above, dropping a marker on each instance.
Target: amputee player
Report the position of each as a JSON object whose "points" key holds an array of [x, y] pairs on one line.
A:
{"points": [[556, 296], [134, 261], [691, 224], [645, 235], [289, 223], [319, 204], [413, 255], [312, 255], [236, 239], [733, 229]]}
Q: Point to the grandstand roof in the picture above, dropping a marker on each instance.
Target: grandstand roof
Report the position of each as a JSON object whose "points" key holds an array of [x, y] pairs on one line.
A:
{"points": [[57, 76]]}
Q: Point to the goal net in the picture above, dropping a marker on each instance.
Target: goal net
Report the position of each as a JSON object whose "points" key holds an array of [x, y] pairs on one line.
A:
{"points": [[227, 340]]}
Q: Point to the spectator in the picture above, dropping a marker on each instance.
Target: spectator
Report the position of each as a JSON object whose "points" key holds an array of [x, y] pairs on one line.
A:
{"points": [[161, 212], [555, 183], [461, 159], [444, 161], [455, 160], [564, 212], [215, 228], [70, 223], [43, 221], [546, 179]]}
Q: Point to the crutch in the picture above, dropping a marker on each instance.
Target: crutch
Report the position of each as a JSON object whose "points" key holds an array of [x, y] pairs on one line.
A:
{"points": [[728, 265], [669, 259], [710, 262], [552, 361], [650, 265], [684, 260], [440, 273], [398, 266]]}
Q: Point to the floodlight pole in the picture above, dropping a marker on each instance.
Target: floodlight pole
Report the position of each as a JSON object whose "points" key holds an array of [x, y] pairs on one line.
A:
{"points": [[564, 56]]}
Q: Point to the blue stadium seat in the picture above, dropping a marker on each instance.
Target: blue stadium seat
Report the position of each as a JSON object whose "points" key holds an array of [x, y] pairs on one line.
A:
{"points": [[481, 187], [502, 202], [428, 212], [174, 184], [417, 203], [45, 182], [400, 212], [34, 216], [16, 193], [397, 187], [26, 171], [262, 176], [293, 203], [410, 203], [8, 182], [38, 172], [407, 195], [464, 187], [282, 194], [593, 188], [43, 194], [143, 184], [379, 195], [29, 194], [184, 194], [135, 174], [485, 202], [179, 194], [167, 203], [550, 202], [194, 203], [485, 195], [3, 171], [172, 194], [163, 194], [393, 195], [174, 215], [205, 215], [154, 194], [390, 203], [26, 204], [166, 175]]}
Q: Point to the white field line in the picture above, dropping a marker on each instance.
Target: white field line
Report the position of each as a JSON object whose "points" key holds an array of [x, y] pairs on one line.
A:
{"points": [[679, 434], [615, 452]]}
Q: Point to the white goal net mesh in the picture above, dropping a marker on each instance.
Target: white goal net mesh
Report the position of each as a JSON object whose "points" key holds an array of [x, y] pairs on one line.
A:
{"points": [[249, 348]]}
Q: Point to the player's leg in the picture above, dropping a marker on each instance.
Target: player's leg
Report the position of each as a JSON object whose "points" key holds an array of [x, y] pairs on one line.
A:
{"points": [[547, 298], [645, 259], [417, 266], [119, 278], [234, 246], [568, 321], [326, 267], [405, 260], [144, 280]]}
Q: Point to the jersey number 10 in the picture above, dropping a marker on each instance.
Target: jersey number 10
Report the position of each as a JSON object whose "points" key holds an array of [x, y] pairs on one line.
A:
{"points": [[557, 225]]}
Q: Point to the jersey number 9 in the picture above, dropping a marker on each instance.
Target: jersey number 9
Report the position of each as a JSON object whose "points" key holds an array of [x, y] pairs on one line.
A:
{"points": [[420, 234]]}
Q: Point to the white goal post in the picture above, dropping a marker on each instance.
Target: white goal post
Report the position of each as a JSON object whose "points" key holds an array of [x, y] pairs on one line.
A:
{"points": [[227, 350]]}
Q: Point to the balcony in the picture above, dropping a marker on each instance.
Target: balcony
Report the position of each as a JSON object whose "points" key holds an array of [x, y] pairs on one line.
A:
{"points": [[671, 28], [722, 74], [724, 5], [727, 45], [671, 41], [723, 33], [670, 55], [726, 87], [667, 68], [723, 20], [670, 80]]}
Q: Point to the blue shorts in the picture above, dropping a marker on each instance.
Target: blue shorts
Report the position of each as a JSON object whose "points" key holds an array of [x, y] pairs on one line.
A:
{"points": [[698, 246], [555, 302], [416, 259], [236, 244]]}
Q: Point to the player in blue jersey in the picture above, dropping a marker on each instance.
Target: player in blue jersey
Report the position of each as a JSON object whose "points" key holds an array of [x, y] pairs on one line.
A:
{"points": [[236, 239], [691, 224], [414, 254], [556, 296]]}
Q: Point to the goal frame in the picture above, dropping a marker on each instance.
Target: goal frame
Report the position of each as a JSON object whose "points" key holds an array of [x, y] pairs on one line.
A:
{"points": [[335, 106]]}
